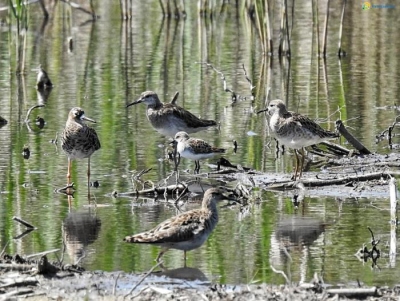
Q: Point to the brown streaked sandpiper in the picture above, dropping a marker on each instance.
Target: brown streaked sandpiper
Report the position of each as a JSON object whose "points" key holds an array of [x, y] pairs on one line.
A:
{"points": [[295, 131], [79, 140], [168, 118], [186, 231], [195, 149]]}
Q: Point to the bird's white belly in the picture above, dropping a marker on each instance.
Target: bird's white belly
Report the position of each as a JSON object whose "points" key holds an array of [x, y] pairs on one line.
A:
{"points": [[297, 142], [196, 242], [189, 154]]}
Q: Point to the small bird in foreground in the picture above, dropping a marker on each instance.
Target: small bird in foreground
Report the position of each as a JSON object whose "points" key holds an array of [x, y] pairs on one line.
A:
{"points": [[186, 231], [295, 131], [168, 118], [79, 140], [195, 149], [43, 80]]}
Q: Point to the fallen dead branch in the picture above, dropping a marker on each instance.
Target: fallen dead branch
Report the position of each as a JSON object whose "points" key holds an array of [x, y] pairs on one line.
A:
{"points": [[336, 181], [158, 190], [353, 292], [351, 139]]}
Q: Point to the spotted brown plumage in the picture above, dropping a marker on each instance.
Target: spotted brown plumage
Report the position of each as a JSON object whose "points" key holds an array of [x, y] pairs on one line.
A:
{"points": [[169, 118], [78, 140], [186, 231], [195, 149], [295, 130]]}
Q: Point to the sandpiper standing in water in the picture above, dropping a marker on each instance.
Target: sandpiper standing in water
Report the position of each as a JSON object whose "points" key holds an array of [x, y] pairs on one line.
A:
{"points": [[295, 131], [195, 149], [79, 140], [168, 118], [186, 231]]}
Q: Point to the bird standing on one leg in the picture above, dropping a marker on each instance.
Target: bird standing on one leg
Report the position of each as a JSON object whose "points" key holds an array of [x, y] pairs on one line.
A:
{"points": [[195, 149], [79, 140], [186, 231], [168, 118], [295, 131]]}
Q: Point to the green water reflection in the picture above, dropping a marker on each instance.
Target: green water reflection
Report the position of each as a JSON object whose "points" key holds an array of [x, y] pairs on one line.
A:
{"points": [[113, 61]]}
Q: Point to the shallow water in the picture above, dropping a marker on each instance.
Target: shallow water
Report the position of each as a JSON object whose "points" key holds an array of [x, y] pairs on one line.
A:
{"points": [[113, 61]]}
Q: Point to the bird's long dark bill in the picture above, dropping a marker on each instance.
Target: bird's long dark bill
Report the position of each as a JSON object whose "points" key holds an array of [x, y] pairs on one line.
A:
{"points": [[88, 119], [135, 102], [264, 110], [173, 142]]}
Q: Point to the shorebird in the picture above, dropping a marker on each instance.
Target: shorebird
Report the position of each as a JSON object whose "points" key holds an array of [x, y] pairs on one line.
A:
{"points": [[186, 231], [195, 149], [79, 140], [295, 131], [168, 118], [43, 80]]}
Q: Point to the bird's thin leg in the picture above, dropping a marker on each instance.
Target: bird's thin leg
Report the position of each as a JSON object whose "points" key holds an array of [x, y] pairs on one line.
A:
{"points": [[196, 166], [184, 258], [88, 179], [302, 162], [297, 166], [161, 254], [69, 171]]}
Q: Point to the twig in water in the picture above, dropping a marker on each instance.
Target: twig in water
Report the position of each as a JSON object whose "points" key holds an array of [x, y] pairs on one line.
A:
{"points": [[42, 253], [66, 189], [141, 173], [30, 111], [25, 223], [144, 277], [235, 146], [185, 190]]}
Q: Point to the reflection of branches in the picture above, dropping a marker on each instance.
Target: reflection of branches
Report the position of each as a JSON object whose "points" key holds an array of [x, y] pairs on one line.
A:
{"points": [[85, 10], [30, 110], [248, 79], [389, 131], [234, 97]]}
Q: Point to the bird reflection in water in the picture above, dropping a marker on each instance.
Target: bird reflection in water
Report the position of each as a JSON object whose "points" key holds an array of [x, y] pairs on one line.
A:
{"points": [[79, 229], [184, 273]]}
